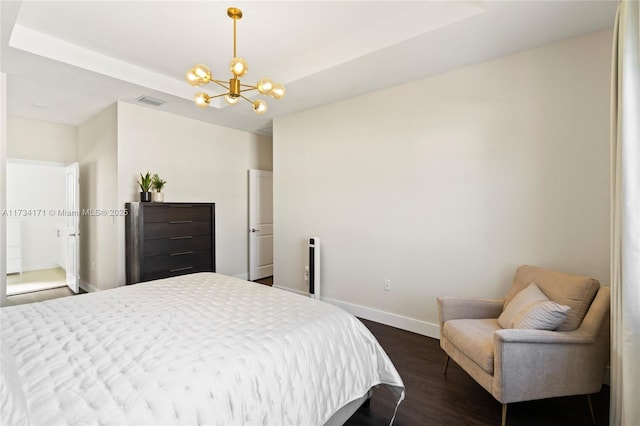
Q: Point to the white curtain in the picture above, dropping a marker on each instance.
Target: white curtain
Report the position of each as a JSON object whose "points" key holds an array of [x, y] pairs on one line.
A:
{"points": [[625, 217]]}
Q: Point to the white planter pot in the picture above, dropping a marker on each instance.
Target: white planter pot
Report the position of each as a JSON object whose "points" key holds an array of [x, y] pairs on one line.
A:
{"points": [[157, 197]]}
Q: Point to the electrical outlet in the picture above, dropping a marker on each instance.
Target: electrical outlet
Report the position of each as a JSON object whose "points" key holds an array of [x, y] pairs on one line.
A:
{"points": [[387, 285]]}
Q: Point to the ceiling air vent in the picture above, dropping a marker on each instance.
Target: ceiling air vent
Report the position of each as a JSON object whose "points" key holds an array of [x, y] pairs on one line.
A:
{"points": [[149, 100]]}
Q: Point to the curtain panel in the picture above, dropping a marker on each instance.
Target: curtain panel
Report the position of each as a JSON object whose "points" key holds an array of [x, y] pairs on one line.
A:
{"points": [[625, 216]]}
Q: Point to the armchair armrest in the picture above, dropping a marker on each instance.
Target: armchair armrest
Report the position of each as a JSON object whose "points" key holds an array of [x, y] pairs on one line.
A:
{"points": [[468, 308], [507, 336], [536, 364]]}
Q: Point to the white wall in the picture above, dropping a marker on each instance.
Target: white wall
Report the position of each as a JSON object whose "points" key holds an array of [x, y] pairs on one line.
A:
{"points": [[447, 184], [97, 151], [37, 140], [201, 162], [37, 190]]}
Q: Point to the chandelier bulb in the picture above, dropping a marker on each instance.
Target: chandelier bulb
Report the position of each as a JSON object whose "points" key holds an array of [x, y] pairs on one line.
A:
{"points": [[265, 86], [202, 100], [192, 78], [238, 67], [231, 100], [260, 107], [202, 74], [278, 91]]}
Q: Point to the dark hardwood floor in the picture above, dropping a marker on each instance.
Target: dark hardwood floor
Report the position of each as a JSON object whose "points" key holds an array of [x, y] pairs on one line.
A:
{"points": [[433, 398], [266, 281]]}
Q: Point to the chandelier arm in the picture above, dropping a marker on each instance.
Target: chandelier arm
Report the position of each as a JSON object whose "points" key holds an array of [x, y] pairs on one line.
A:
{"points": [[217, 96], [248, 85], [220, 83], [248, 90], [246, 99]]}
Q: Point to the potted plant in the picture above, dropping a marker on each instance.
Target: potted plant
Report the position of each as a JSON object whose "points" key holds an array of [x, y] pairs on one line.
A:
{"points": [[145, 187], [157, 183]]}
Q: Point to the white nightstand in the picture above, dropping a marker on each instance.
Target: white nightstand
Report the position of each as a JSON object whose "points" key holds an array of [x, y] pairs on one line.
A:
{"points": [[14, 246]]}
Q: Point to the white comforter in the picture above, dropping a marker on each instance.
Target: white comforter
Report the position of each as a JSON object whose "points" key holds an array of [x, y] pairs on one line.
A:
{"points": [[197, 349]]}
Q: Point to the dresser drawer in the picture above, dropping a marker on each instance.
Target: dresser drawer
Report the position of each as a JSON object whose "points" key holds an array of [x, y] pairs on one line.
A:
{"points": [[177, 213], [160, 246], [175, 229], [174, 262], [148, 276]]}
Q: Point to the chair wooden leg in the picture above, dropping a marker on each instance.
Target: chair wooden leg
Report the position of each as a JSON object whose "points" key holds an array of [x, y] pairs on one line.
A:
{"points": [[504, 414], [446, 365], [593, 417]]}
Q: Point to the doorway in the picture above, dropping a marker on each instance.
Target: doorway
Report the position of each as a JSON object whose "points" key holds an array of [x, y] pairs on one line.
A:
{"points": [[36, 219], [261, 226]]}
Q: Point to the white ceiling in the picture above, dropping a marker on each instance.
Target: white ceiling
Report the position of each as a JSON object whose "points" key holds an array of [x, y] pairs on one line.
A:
{"points": [[67, 60]]}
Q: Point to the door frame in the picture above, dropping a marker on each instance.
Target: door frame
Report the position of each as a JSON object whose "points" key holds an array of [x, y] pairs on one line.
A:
{"points": [[72, 267], [3, 195], [3, 289]]}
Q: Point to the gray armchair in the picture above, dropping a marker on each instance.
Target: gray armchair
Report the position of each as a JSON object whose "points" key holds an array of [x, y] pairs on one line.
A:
{"points": [[522, 364]]}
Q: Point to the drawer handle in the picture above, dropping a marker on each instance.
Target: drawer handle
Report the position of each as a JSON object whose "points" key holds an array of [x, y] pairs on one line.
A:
{"points": [[181, 253], [177, 222], [181, 238], [181, 269]]}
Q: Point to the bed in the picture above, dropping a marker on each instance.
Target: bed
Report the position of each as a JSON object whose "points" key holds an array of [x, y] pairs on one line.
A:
{"points": [[196, 349]]}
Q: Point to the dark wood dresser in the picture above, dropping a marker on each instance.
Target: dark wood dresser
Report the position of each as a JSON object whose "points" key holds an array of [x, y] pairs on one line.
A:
{"points": [[169, 239]]}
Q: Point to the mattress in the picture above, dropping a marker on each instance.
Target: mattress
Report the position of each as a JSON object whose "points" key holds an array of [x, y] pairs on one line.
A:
{"points": [[197, 349]]}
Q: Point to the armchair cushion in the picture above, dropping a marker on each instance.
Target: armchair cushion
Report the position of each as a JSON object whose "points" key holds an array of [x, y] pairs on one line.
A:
{"points": [[532, 309], [474, 338], [575, 291]]}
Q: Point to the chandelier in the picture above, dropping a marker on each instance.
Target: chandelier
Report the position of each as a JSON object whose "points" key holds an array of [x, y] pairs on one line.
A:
{"points": [[201, 75]]}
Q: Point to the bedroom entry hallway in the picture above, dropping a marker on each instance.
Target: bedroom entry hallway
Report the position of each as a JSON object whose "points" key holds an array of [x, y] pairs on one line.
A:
{"points": [[41, 226]]}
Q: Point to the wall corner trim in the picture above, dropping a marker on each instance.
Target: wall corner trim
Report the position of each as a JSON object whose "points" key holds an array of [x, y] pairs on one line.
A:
{"points": [[88, 287], [242, 276]]}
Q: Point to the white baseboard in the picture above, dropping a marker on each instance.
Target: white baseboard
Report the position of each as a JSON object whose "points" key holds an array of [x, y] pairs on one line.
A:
{"points": [[394, 320], [387, 318], [242, 276], [302, 293], [31, 268]]}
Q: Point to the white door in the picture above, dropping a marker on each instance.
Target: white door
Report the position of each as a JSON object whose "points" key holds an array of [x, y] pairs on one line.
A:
{"points": [[73, 224], [260, 224]]}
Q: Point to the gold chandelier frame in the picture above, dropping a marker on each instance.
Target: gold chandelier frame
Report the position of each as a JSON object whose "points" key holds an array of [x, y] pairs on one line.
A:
{"points": [[200, 75]]}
